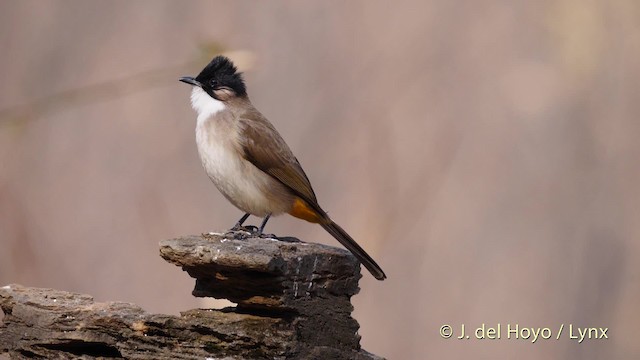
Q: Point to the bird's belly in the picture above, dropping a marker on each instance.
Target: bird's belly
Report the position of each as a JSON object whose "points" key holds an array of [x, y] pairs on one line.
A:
{"points": [[245, 186]]}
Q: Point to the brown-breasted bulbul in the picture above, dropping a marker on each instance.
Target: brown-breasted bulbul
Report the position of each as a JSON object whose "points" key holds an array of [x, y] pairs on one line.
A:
{"points": [[247, 159]]}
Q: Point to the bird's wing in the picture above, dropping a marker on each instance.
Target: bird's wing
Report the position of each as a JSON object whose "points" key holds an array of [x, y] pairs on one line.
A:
{"points": [[265, 149]]}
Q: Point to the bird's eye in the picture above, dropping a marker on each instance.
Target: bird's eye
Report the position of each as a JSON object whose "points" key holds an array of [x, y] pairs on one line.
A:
{"points": [[213, 83]]}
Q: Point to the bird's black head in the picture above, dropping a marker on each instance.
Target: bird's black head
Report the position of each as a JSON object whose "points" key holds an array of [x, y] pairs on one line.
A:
{"points": [[220, 79]]}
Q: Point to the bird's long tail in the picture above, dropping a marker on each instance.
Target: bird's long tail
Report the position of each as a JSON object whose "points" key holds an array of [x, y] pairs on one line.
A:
{"points": [[347, 241]]}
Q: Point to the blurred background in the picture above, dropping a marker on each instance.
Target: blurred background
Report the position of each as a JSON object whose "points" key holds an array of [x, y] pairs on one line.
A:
{"points": [[485, 153]]}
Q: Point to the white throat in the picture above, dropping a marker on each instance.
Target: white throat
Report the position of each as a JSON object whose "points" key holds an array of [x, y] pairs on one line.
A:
{"points": [[204, 105]]}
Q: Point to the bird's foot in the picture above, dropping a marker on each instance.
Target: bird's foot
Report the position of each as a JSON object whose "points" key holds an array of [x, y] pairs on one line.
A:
{"points": [[267, 236], [289, 239], [238, 232], [251, 229], [238, 227], [244, 232], [257, 232]]}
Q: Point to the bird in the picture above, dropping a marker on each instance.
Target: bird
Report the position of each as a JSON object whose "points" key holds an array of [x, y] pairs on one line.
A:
{"points": [[248, 160]]}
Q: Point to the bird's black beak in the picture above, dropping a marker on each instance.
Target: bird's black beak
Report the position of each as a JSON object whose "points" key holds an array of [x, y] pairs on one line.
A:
{"points": [[191, 81]]}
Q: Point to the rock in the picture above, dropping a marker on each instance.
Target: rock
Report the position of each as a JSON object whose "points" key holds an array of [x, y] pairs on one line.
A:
{"points": [[289, 294], [264, 273]]}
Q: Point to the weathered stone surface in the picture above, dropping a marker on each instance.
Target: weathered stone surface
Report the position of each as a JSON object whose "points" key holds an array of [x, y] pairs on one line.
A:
{"points": [[265, 273], [46, 323], [293, 303], [311, 282]]}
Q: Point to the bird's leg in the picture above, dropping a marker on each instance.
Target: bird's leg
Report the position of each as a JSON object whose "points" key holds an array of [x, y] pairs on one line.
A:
{"points": [[264, 223], [238, 225]]}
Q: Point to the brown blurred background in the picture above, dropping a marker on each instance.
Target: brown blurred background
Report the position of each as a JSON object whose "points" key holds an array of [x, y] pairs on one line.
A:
{"points": [[484, 152]]}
